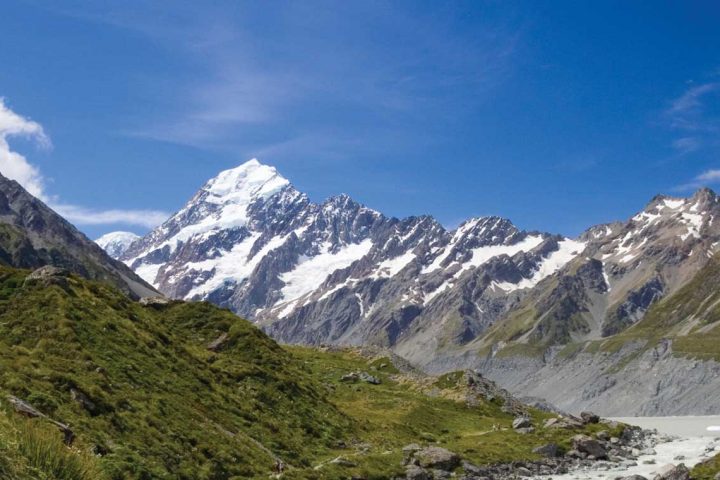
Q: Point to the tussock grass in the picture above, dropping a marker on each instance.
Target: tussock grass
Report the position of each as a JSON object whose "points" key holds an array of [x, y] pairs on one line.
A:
{"points": [[32, 450]]}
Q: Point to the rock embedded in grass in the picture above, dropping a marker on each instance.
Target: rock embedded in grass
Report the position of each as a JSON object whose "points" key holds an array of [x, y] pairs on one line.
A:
{"points": [[522, 422], [437, 457], [549, 450]]}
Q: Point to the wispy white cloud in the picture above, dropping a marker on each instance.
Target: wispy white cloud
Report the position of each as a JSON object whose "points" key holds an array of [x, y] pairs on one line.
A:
{"points": [[88, 216], [317, 65], [706, 178], [694, 115], [16, 167], [691, 99], [686, 144]]}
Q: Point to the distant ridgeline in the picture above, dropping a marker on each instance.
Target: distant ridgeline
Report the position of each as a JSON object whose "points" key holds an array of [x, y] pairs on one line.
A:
{"points": [[577, 321]]}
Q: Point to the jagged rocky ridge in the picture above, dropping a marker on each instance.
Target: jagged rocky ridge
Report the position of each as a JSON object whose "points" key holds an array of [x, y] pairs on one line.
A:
{"points": [[487, 292], [339, 272], [32, 235]]}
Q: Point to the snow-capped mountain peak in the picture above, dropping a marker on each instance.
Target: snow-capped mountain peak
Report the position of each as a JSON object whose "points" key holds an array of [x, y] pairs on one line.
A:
{"points": [[115, 243], [243, 184], [250, 241]]}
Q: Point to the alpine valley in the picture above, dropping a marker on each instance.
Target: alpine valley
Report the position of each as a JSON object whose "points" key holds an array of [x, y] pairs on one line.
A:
{"points": [[100, 383], [621, 320]]}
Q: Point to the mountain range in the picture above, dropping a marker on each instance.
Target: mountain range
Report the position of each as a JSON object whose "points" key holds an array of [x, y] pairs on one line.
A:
{"points": [[100, 382], [519, 304]]}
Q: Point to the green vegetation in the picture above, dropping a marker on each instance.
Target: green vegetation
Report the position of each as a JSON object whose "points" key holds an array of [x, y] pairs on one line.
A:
{"points": [[156, 400], [32, 450], [707, 470], [147, 397]]}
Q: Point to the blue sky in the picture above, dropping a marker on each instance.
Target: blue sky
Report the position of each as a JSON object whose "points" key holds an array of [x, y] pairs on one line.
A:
{"points": [[557, 115]]}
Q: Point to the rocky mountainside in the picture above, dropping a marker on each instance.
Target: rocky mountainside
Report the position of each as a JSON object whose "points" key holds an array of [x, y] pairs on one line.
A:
{"points": [[339, 272], [32, 235], [631, 325], [115, 243], [484, 293]]}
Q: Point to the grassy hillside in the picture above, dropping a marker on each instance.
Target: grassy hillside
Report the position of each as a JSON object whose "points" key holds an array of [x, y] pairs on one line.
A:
{"points": [[147, 397]]}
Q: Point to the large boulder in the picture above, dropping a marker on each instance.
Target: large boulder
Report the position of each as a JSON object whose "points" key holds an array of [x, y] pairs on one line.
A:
{"points": [[360, 376], [437, 457], [672, 472], [567, 422], [521, 422], [590, 446], [549, 450], [155, 302], [589, 417], [48, 275]]}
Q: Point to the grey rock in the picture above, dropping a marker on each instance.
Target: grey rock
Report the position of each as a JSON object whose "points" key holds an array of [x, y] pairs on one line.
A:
{"points": [[589, 417], [549, 450], [413, 472], [585, 444], [523, 472], [360, 376], [156, 301], [441, 474], [521, 422], [367, 378], [672, 472], [437, 457], [25, 409]]}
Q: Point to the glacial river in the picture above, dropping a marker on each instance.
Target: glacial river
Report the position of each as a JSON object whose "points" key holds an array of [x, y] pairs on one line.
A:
{"points": [[697, 438]]}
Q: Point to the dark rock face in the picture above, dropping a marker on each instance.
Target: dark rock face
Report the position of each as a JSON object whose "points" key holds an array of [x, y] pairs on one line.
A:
{"points": [[339, 272], [633, 308], [34, 236]]}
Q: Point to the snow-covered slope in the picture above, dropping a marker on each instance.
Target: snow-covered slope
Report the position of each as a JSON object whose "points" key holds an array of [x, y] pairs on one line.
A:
{"points": [[339, 271], [486, 294], [115, 243]]}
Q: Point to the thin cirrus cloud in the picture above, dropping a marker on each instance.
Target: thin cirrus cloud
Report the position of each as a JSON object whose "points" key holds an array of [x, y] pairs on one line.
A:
{"points": [[708, 177], [694, 115], [16, 167], [242, 91]]}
